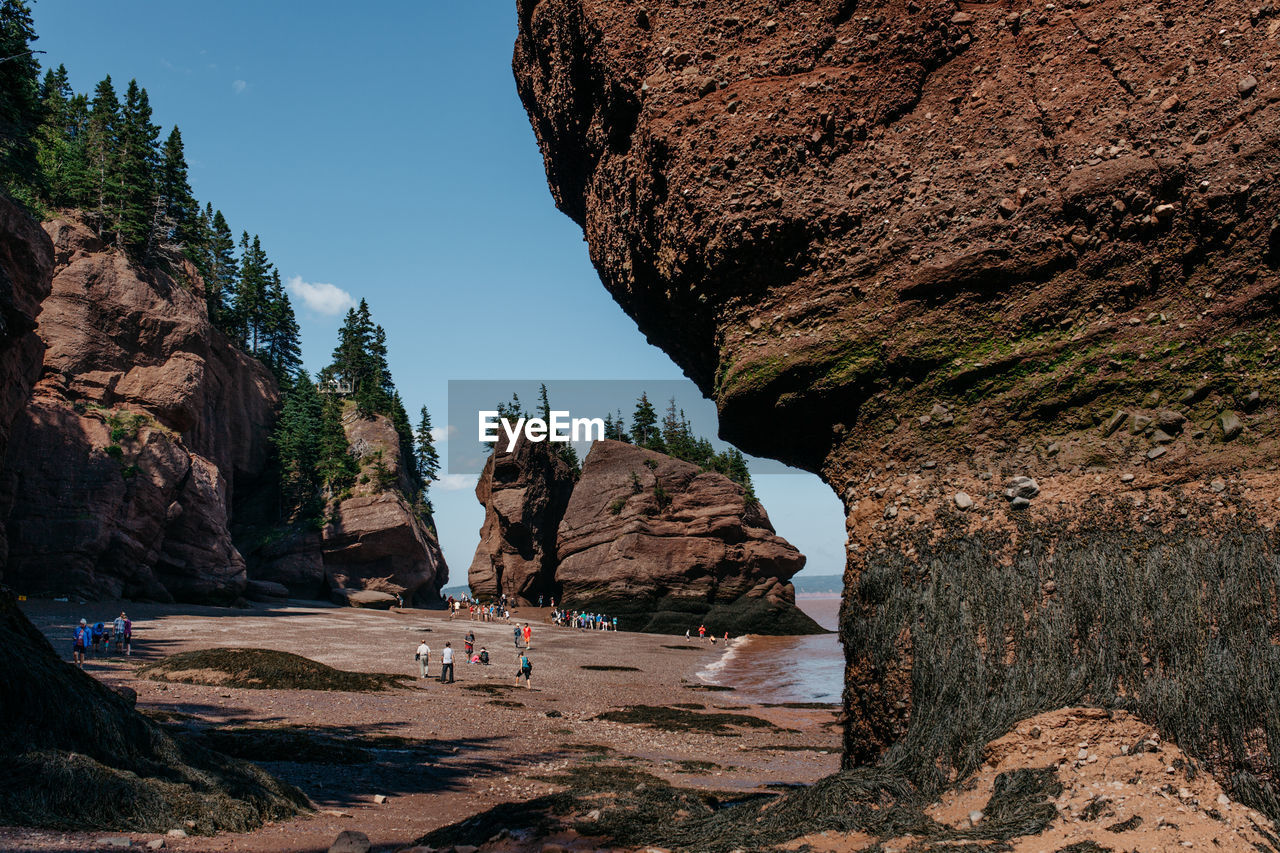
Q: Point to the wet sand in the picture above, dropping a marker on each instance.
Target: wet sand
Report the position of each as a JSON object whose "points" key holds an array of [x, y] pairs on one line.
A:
{"points": [[486, 744]]}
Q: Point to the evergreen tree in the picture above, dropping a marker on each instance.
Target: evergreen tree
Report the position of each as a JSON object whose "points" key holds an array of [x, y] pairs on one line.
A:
{"points": [[299, 446], [337, 468], [282, 345], [408, 455], [20, 111], [544, 404], [428, 457], [221, 271], [251, 302], [644, 425], [135, 179], [177, 212], [60, 142], [102, 155]]}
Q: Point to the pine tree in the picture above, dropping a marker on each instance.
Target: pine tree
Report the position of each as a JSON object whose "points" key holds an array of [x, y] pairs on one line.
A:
{"points": [[644, 425], [135, 179], [282, 346], [299, 446], [221, 271], [252, 283], [404, 430], [337, 468], [544, 404], [178, 213], [20, 111], [428, 457], [101, 155], [60, 140]]}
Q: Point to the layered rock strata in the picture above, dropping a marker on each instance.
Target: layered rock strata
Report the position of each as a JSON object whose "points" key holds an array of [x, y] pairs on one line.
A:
{"points": [[659, 543], [121, 473], [926, 248]]}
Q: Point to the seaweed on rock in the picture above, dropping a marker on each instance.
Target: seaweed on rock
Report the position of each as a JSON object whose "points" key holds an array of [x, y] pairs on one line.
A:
{"points": [[76, 755], [1174, 625]]}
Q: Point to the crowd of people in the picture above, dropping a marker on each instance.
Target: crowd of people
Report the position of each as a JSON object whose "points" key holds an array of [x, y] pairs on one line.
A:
{"points": [[584, 621], [524, 667], [101, 638]]}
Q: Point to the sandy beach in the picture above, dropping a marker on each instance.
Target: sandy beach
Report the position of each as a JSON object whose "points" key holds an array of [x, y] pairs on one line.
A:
{"points": [[469, 745]]}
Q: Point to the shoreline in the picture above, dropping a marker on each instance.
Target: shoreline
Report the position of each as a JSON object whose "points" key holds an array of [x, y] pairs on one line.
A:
{"points": [[487, 740]]}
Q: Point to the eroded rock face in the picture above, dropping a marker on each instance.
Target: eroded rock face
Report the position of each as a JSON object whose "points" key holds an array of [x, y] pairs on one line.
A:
{"points": [[665, 546], [121, 472], [374, 546], [26, 268], [922, 251], [524, 494]]}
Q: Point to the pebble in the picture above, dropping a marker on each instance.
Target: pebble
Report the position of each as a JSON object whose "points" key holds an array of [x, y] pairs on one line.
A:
{"points": [[176, 833], [379, 798], [1022, 487], [1170, 104], [963, 501], [1157, 452], [1218, 485], [1246, 85], [975, 817], [157, 844], [113, 841], [1126, 478], [1230, 424]]}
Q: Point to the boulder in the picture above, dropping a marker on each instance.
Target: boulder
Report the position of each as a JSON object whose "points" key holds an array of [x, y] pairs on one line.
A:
{"points": [[524, 493], [665, 546], [265, 591], [350, 841]]}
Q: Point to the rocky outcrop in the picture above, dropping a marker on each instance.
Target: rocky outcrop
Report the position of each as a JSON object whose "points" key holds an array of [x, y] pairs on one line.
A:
{"points": [[120, 475], [373, 546], [89, 760], [664, 546], [925, 248], [26, 268], [524, 493], [657, 542]]}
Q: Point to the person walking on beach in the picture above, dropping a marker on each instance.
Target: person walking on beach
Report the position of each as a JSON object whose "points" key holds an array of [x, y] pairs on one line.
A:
{"points": [[525, 669], [446, 663], [702, 632], [117, 632], [80, 638], [515, 632], [128, 635], [471, 644], [687, 631], [423, 655], [528, 636]]}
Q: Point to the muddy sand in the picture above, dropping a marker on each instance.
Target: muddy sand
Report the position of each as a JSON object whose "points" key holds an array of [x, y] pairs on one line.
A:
{"points": [[399, 763], [437, 752]]}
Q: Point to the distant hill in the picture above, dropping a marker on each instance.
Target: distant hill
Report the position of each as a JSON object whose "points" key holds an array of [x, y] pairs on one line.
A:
{"points": [[818, 584], [456, 591]]}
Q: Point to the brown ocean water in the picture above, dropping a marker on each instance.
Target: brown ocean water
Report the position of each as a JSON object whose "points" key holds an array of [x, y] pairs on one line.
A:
{"points": [[785, 669]]}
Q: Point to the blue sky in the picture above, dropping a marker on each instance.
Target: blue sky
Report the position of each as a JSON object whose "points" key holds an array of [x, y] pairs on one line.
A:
{"points": [[385, 155]]}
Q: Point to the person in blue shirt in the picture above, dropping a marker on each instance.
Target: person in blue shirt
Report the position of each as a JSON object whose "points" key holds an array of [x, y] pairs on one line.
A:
{"points": [[81, 637]]}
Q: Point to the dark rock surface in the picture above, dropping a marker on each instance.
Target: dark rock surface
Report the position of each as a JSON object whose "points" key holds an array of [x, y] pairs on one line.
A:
{"points": [[26, 272]]}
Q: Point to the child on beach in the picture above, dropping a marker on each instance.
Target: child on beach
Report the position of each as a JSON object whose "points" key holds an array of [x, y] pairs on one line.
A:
{"points": [[80, 638]]}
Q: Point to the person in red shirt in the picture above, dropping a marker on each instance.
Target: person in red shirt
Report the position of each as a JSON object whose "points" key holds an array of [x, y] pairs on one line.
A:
{"points": [[528, 636], [702, 632]]}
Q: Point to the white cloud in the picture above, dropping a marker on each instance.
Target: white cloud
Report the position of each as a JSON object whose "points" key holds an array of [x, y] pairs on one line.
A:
{"points": [[321, 298], [439, 434], [238, 86], [455, 482]]}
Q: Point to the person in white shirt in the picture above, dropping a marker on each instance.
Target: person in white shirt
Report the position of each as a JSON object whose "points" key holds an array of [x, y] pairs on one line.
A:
{"points": [[423, 655], [446, 663]]}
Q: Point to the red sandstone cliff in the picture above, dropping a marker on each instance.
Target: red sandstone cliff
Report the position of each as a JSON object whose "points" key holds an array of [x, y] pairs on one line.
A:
{"points": [[524, 494], [26, 267], [374, 545], [120, 474], [928, 248]]}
